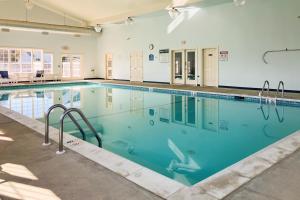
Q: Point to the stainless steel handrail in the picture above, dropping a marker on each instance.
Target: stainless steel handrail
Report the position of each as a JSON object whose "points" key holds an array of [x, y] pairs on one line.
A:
{"points": [[266, 83], [281, 83], [47, 115], [61, 130]]}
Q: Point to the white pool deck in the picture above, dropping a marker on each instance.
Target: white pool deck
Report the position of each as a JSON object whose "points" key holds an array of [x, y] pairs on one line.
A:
{"points": [[218, 186]]}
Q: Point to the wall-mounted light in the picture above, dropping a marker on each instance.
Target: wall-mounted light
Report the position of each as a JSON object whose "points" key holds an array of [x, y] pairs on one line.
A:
{"points": [[239, 2]]}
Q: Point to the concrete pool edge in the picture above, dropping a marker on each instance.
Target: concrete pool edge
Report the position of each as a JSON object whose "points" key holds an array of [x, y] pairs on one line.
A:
{"points": [[233, 176]]}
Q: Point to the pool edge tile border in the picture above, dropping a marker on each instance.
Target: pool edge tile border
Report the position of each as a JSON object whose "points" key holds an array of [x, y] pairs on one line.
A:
{"points": [[233, 176]]}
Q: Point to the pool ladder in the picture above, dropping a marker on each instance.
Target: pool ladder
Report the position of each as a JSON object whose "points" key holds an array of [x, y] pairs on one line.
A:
{"points": [[67, 112], [268, 99]]}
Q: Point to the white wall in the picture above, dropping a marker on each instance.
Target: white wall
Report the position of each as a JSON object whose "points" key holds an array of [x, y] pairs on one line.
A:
{"points": [[84, 45], [246, 32], [53, 43]]}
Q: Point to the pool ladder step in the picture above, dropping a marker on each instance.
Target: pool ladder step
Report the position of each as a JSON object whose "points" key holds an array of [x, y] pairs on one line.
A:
{"points": [[67, 112]]}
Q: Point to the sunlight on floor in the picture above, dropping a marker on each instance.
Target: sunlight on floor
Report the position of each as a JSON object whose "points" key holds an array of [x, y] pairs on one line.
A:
{"points": [[8, 139], [25, 192], [18, 170]]}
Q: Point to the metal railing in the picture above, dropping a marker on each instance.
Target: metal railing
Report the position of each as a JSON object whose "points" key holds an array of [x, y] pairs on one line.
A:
{"points": [[47, 115], [61, 130], [266, 83], [281, 83]]}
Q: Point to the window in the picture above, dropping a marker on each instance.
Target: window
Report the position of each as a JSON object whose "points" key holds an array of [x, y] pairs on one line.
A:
{"points": [[26, 60], [37, 60], [15, 66], [3, 59], [48, 63], [22, 60], [71, 66]]}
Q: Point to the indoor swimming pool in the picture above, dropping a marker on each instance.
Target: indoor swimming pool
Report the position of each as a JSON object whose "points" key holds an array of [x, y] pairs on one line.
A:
{"points": [[183, 135]]}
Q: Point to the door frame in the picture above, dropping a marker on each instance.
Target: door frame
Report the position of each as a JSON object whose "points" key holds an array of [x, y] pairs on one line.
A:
{"points": [[201, 66], [184, 73]]}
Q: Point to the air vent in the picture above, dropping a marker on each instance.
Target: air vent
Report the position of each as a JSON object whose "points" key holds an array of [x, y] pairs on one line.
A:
{"points": [[77, 35], [45, 33], [5, 30]]}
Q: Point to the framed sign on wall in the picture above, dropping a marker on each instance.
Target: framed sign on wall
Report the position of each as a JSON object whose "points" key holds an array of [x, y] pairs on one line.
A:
{"points": [[164, 55]]}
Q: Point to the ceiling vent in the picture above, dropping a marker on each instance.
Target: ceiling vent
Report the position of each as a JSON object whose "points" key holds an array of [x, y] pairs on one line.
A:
{"points": [[5, 30]]}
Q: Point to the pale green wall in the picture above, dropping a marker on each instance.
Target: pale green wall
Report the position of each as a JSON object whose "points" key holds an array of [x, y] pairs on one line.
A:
{"points": [[246, 32]]}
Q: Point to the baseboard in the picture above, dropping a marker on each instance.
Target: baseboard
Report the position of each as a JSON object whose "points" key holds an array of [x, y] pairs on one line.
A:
{"points": [[93, 78], [167, 83], [258, 89], [119, 79]]}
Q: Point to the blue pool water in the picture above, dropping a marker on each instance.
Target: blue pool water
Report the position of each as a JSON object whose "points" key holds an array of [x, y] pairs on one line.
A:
{"points": [[183, 137]]}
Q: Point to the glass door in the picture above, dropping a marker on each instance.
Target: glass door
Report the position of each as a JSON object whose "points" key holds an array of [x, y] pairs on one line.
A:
{"points": [[184, 67], [191, 67], [178, 67], [71, 66]]}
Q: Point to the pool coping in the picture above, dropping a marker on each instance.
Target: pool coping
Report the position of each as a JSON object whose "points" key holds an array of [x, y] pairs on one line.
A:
{"points": [[214, 187]]}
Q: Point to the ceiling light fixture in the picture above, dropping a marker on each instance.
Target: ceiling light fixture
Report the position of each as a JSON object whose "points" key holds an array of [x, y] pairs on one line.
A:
{"points": [[129, 21], [174, 12], [28, 4], [239, 2], [98, 28]]}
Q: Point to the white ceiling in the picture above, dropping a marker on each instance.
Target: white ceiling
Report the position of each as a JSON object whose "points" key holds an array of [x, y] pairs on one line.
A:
{"points": [[104, 11]]}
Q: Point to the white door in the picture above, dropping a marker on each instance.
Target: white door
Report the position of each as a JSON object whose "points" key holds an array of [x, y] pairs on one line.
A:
{"points": [[136, 66], [71, 66], [210, 67], [191, 67], [178, 70], [108, 64]]}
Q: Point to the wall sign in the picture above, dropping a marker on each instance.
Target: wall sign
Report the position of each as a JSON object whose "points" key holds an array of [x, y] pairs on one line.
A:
{"points": [[164, 55], [151, 57], [223, 56]]}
